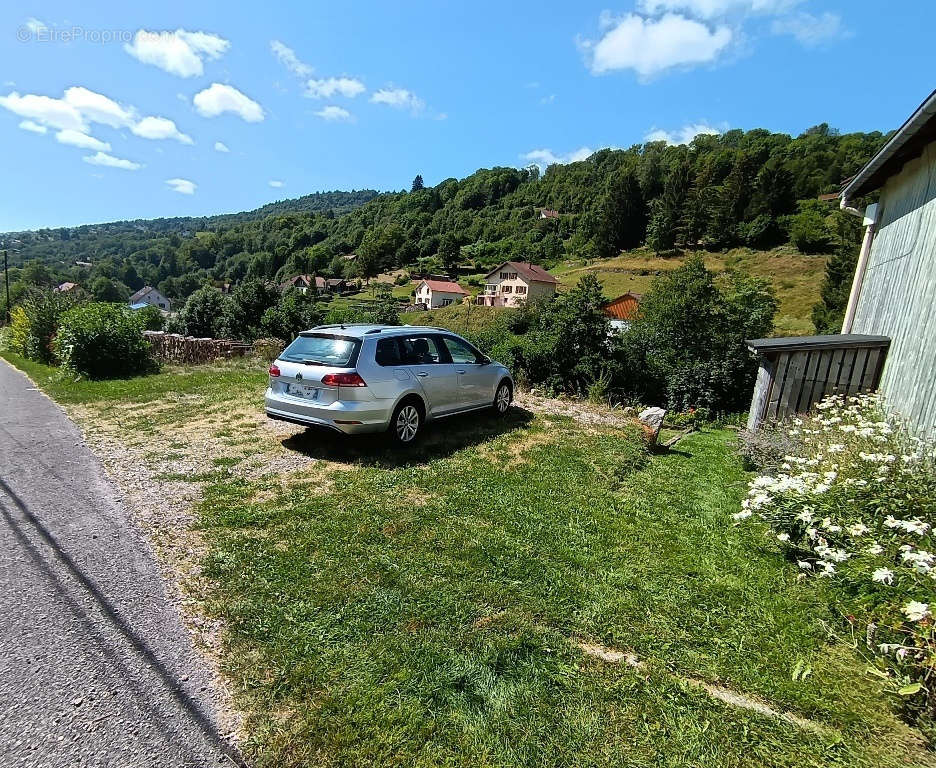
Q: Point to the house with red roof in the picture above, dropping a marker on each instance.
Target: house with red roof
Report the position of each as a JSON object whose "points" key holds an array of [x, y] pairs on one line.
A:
{"points": [[439, 293], [514, 283]]}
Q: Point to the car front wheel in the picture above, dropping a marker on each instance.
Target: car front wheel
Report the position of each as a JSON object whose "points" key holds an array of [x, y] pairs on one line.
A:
{"points": [[406, 423], [502, 398]]}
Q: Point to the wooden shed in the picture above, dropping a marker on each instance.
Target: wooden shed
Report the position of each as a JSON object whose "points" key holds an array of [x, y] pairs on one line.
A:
{"points": [[795, 373]]}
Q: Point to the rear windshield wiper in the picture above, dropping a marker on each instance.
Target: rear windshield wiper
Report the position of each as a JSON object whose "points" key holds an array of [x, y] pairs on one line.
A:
{"points": [[313, 362]]}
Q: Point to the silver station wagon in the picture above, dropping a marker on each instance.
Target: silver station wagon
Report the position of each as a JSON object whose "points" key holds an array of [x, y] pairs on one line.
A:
{"points": [[374, 378]]}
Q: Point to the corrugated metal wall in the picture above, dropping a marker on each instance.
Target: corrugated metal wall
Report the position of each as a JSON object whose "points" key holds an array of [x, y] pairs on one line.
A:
{"points": [[898, 296]]}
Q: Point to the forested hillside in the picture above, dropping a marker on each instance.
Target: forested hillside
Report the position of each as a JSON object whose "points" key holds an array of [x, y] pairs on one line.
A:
{"points": [[753, 188]]}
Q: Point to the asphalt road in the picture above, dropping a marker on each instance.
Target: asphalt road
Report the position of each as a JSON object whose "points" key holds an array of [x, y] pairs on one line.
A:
{"points": [[96, 668]]}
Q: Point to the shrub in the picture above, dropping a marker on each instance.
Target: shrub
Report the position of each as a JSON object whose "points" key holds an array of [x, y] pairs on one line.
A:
{"points": [[295, 312], [204, 313], [855, 503], [151, 318], [686, 347], [17, 332], [103, 341], [44, 310], [808, 230]]}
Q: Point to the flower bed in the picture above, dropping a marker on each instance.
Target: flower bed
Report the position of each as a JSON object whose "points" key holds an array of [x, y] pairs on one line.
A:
{"points": [[855, 503]]}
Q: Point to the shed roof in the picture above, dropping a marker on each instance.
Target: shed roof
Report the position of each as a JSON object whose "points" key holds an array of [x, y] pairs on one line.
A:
{"points": [[905, 145], [832, 340]]}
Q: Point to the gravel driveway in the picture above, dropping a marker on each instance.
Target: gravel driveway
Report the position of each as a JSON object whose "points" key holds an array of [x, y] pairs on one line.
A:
{"points": [[96, 668]]}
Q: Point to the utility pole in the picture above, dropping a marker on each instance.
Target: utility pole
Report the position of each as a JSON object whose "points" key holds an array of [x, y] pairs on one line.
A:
{"points": [[6, 277]]}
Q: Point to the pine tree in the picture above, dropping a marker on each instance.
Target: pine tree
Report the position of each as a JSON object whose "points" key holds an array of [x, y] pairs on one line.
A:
{"points": [[417, 183], [622, 217]]}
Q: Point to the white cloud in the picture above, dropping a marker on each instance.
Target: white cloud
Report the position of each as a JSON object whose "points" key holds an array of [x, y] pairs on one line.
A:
{"points": [[398, 98], [276, 183], [182, 186], [159, 128], [548, 99], [343, 86], [102, 158], [54, 113], [810, 30], [331, 112], [288, 58], [220, 146], [81, 140], [713, 9], [546, 157], [35, 26], [650, 46], [29, 125], [179, 53], [682, 135], [98, 108], [217, 99]]}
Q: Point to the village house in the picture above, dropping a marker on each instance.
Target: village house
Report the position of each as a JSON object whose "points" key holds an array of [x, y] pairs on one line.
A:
{"points": [[515, 282], [548, 213], [433, 294], [66, 287], [303, 283], [623, 310], [149, 296]]}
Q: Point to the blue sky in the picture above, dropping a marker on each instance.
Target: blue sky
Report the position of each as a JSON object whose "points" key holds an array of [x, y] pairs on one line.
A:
{"points": [[116, 110]]}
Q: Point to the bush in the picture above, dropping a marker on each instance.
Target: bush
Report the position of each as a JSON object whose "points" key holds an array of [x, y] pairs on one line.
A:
{"points": [[204, 313], [44, 310], [151, 318], [17, 332], [855, 503], [295, 312], [686, 347], [808, 230], [103, 341]]}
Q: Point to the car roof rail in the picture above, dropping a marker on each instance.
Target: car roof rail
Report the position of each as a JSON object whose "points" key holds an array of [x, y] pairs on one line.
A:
{"points": [[373, 330]]}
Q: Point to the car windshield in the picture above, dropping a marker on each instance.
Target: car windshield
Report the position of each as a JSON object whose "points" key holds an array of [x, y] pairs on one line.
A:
{"points": [[322, 349]]}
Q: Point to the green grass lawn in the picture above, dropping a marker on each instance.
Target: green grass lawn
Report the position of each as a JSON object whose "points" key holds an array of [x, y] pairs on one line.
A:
{"points": [[429, 607]]}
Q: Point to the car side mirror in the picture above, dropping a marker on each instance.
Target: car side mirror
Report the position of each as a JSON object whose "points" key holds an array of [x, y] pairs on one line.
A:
{"points": [[485, 360]]}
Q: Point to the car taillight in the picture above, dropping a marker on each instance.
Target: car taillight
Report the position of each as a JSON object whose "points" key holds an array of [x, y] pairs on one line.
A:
{"points": [[343, 380], [274, 370]]}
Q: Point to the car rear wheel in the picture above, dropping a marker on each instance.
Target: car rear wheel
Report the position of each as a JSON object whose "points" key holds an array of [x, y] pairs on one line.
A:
{"points": [[406, 422], [502, 398]]}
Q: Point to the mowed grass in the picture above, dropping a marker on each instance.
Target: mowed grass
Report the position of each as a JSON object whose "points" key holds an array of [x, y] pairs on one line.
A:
{"points": [[429, 607], [796, 277]]}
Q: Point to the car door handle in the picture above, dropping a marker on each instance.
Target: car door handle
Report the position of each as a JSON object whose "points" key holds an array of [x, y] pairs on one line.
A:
{"points": [[422, 374], [459, 371]]}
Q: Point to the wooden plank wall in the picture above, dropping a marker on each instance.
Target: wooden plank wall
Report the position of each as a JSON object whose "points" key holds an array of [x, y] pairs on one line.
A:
{"points": [[899, 292], [791, 382]]}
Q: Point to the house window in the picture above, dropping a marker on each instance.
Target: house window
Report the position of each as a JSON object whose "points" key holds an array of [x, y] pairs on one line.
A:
{"points": [[511, 275], [446, 302], [490, 288], [507, 289], [521, 289], [504, 275]]}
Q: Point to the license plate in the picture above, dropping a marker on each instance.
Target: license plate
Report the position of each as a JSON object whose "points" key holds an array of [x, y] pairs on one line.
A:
{"points": [[305, 391]]}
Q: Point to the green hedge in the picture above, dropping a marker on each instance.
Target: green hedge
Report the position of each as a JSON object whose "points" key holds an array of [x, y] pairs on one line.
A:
{"points": [[103, 341]]}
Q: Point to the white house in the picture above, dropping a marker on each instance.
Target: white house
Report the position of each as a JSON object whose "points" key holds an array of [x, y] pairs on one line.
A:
{"points": [[439, 293], [516, 282], [149, 295]]}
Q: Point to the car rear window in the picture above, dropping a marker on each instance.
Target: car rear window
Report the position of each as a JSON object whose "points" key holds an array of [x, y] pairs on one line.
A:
{"points": [[323, 349]]}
